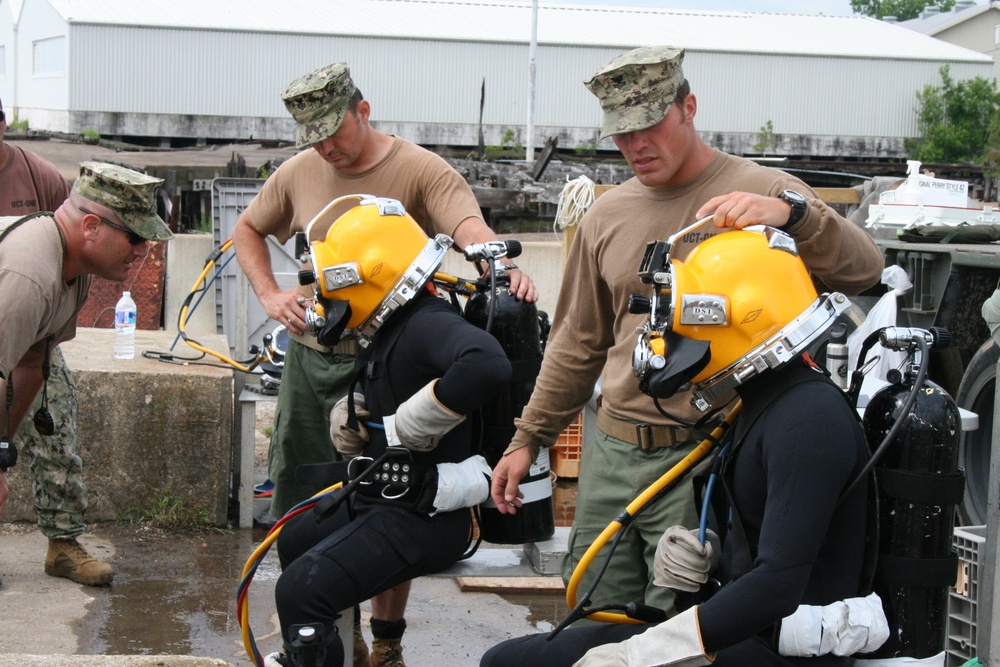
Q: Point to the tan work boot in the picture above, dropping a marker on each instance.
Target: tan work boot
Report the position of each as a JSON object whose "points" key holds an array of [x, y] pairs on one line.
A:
{"points": [[386, 653], [360, 648], [68, 558]]}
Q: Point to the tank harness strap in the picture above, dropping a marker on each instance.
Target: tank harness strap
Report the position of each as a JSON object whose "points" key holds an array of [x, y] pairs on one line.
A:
{"points": [[917, 572], [20, 221], [922, 487], [930, 489]]}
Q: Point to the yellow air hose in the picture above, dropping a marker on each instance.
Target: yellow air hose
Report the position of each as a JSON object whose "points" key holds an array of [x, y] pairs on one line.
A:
{"points": [[633, 508]]}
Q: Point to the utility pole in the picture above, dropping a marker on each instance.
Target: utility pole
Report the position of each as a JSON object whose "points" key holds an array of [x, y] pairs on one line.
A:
{"points": [[532, 51]]}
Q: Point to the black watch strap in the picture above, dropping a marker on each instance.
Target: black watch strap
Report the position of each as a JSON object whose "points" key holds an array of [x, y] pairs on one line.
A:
{"points": [[799, 207]]}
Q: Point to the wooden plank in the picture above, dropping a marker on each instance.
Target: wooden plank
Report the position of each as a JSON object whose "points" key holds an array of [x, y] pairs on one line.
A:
{"points": [[551, 584], [839, 195]]}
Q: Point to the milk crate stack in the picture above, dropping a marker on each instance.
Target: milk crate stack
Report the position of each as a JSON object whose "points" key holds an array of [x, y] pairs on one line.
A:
{"points": [[565, 454], [963, 599]]}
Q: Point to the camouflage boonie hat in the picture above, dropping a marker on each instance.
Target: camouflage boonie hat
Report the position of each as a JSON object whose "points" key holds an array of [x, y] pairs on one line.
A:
{"points": [[318, 102], [637, 88], [131, 195]]}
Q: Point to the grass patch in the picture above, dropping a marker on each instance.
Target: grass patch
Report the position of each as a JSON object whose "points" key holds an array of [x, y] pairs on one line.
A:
{"points": [[268, 431], [171, 511]]}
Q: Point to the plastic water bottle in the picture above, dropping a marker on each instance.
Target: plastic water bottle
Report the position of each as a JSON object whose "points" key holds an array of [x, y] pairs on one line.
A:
{"points": [[125, 327]]}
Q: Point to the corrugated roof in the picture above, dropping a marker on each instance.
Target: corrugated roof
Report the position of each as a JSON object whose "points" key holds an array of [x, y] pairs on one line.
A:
{"points": [[594, 25], [932, 25]]}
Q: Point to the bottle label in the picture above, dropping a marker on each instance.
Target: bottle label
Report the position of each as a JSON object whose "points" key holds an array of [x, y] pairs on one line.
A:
{"points": [[125, 317]]}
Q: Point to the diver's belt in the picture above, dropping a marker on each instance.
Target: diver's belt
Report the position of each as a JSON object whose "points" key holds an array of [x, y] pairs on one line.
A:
{"points": [[397, 480], [346, 346], [645, 436]]}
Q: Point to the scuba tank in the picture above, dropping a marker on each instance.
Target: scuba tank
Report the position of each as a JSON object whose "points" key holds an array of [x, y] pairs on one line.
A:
{"points": [[919, 485], [517, 326]]}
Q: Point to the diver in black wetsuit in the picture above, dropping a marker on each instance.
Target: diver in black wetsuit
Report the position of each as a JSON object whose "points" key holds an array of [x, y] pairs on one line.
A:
{"points": [[792, 542], [424, 369]]}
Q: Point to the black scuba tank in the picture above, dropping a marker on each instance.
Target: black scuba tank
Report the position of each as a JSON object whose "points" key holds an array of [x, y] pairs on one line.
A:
{"points": [[919, 485], [517, 326]]}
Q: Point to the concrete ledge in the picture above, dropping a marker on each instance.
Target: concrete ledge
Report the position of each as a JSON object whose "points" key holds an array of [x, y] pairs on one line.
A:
{"points": [[146, 428], [18, 660]]}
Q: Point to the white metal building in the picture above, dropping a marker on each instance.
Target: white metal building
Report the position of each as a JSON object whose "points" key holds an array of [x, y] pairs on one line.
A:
{"points": [[830, 85]]}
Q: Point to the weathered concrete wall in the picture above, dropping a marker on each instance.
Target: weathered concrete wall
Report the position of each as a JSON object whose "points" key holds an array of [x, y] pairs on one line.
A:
{"points": [[186, 255], [146, 428]]}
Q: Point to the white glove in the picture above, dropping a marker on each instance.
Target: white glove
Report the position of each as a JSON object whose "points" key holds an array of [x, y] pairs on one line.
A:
{"points": [[682, 562], [464, 484], [271, 660], [605, 655], [420, 421], [347, 441], [676, 641], [845, 627]]}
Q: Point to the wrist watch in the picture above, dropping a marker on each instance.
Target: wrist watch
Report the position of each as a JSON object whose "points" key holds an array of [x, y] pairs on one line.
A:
{"points": [[798, 204]]}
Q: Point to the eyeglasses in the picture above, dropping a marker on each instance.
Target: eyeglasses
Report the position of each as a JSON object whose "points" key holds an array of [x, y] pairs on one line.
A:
{"points": [[133, 238], [3, 116]]}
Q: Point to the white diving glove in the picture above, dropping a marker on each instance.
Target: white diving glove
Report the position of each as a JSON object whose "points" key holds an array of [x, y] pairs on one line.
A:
{"points": [[347, 441], [845, 627], [271, 660], [682, 562], [464, 484], [676, 641], [420, 421]]}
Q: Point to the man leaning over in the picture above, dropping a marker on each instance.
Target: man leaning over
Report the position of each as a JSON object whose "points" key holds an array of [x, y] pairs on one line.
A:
{"points": [[649, 113], [46, 264]]}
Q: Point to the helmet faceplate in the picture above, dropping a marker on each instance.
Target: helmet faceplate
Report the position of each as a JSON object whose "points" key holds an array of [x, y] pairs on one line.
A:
{"points": [[747, 294]]}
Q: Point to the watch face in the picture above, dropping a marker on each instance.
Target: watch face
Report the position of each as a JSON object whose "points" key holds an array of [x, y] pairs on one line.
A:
{"points": [[793, 197]]}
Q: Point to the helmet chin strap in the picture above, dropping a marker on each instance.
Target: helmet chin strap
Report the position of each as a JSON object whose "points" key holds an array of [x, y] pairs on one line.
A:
{"points": [[786, 344]]}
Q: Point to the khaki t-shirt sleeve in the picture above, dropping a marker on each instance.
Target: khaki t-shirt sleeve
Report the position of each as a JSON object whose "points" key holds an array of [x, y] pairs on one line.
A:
{"points": [[271, 211]]}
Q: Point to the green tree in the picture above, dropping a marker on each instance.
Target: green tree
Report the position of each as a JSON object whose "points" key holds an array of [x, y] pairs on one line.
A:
{"points": [[957, 120], [765, 139], [903, 10]]}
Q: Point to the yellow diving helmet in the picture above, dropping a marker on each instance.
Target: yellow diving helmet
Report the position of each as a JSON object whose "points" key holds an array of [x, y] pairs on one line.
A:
{"points": [[374, 259], [726, 307]]}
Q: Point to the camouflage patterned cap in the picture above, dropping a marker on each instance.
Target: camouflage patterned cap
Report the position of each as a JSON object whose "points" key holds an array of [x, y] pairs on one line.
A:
{"points": [[131, 195], [318, 102], [637, 88]]}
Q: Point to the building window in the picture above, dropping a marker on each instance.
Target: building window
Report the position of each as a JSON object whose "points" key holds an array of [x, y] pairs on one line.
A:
{"points": [[49, 57]]}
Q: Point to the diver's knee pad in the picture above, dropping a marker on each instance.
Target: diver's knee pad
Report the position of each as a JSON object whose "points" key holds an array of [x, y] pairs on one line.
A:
{"points": [[313, 645]]}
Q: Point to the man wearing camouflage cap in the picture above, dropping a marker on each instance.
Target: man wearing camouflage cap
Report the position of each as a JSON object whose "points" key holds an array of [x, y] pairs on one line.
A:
{"points": [[348, 156], [47, 261], [649, 114]]}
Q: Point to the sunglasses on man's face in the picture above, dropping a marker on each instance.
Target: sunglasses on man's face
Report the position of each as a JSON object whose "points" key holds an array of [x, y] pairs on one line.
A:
{"points": [[133, 238], [3, 116]]}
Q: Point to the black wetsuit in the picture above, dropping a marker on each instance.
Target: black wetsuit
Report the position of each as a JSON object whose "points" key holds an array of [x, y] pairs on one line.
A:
{"points": [[330, 565], [787, 474]]}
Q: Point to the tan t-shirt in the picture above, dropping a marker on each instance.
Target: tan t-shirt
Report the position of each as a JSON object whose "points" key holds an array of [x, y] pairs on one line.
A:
{"points": [[592, 330], [433, 193], [30, 183], [36, 302]]}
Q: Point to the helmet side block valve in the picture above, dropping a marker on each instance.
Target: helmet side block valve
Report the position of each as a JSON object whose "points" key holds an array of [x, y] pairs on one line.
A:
{"points": [[655, 262]]}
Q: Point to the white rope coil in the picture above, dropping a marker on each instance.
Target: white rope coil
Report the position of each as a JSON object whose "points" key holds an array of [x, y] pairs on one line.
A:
{"points": [[574, 200]]}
